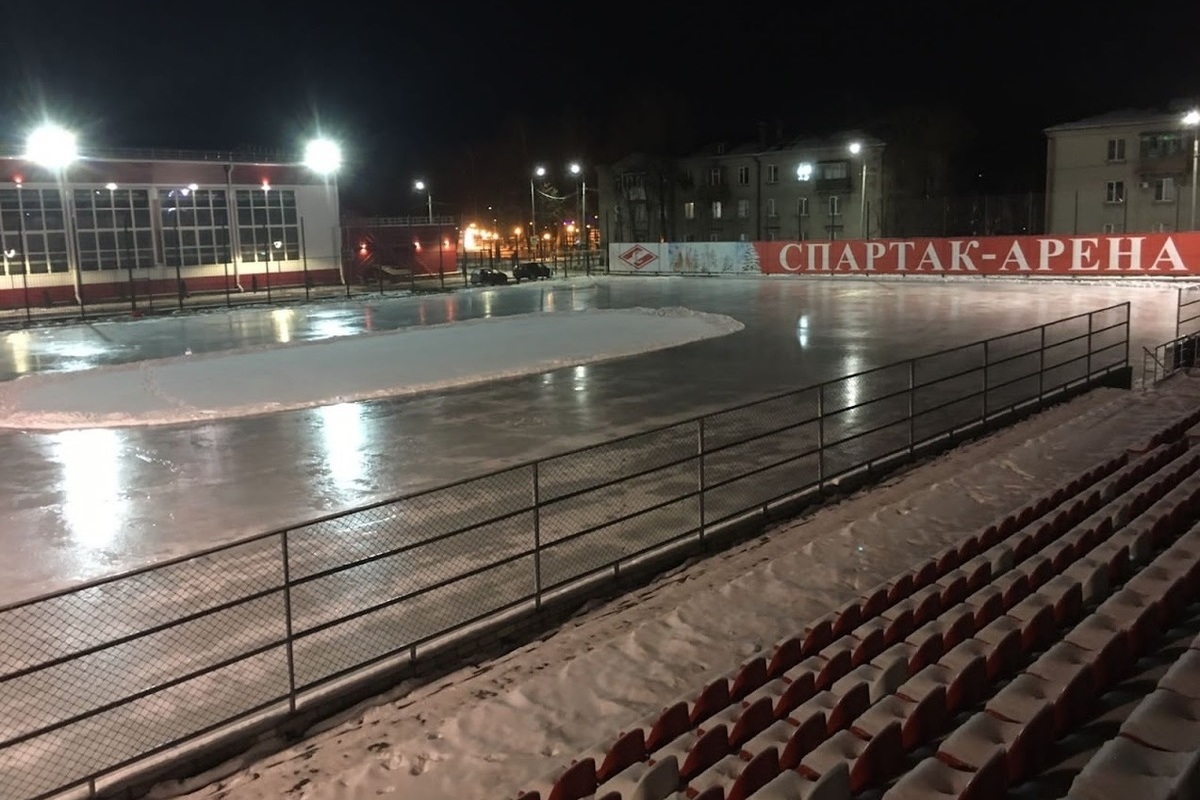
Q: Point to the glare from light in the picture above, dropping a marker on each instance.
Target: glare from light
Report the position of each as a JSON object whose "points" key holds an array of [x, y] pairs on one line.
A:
{"points": [[540, 172], [193, 187], [419, 186], [112, 187], [517, 230], [576, 169], [804, 171], [51, 146], [278, 244], [185, 191], [1192, 117], [266, 184], [855, 148], [323, 156]]}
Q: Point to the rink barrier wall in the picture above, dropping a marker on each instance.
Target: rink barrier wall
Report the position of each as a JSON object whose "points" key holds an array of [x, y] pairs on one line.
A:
{"points": [[1141, 255], [120, 681]]}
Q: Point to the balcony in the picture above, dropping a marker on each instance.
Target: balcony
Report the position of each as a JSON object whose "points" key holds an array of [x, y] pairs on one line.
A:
{"points": [[835, 185], [1174, 164]]}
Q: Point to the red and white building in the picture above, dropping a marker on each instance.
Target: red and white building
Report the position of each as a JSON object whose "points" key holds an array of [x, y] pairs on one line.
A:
{"points": [[116, 223]]}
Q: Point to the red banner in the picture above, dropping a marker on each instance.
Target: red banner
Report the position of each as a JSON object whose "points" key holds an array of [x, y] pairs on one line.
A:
{"points": [[1151, 255]]}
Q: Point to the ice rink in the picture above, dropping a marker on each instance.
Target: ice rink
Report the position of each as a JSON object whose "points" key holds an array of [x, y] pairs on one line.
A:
{"points": [[86, 503]]}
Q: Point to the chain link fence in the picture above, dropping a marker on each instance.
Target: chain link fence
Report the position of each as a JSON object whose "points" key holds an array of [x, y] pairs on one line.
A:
{"points": [[99, 678]]}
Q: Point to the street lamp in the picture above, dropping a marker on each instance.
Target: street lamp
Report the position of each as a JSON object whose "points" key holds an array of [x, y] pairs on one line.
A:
{"points": [[577, 170], [324, 157], [1192, 120], [421, 187], [856, 148], [55, 148], [539, 172]]}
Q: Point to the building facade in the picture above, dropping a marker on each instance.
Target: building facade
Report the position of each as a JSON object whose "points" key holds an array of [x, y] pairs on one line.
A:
{"points": [[1121, 172], [798, 189], [114, 224]]}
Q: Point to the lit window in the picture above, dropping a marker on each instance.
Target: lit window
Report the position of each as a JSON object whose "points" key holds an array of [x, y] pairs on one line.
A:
{"points": [[716, 209]]}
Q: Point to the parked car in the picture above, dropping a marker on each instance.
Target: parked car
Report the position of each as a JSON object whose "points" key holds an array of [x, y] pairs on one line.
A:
{"points": [[531, 271], [489, 277]]}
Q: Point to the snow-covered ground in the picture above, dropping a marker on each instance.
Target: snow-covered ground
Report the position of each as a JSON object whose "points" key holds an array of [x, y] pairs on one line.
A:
{"points": [[271, 378], [492, 728]]}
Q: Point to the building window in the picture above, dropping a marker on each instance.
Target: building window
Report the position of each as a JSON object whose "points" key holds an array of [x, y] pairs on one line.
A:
{"points": [[834, 170], [743, 209], [771, 210], [267, 225], [1164, 190], [689, 237], [1161, 145], [1116, 149], [689, 210], [1114, 192], [802, 207], [714, 235], [716, 209], [714, 176], [1108, 227], [772, 173], [632, 180], [743, 176], [113, 228], [45, 237], [835, 206], [195, 227], [1160, 227], [641, 216], [772, 234]]}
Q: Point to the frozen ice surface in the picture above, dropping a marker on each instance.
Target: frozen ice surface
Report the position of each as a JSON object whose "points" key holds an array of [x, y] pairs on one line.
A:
{"points": [[84, 503], [283, 377]]}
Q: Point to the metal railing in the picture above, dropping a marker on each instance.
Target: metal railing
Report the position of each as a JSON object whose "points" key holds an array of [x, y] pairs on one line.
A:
{"points": [[97, 679], [1168, 358], [1187, 311]]}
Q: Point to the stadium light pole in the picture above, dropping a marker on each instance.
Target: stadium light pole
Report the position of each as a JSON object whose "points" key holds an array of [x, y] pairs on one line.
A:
{"points": [[55, 148], [324, 157], [577, 171], [420, 186], [538, 172], [856, 149], [1192, 120]]}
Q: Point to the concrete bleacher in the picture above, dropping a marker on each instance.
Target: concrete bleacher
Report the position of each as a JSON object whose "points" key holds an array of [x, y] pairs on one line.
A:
{"points": [[1052, 653]]}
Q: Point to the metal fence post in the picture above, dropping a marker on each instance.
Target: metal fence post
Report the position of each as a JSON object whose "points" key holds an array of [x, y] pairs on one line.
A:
{"points": [[287, 615], [1128, 329], [1178, 310], [700, 470], [912, 419], [1042, 366], [985, 379], [820, 437], [537, 541], [1089, 350]]}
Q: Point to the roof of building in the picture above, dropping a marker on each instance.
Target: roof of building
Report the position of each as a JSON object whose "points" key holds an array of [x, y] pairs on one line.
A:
{"points": [[1120, 118], [244, 155], [803, 142]]}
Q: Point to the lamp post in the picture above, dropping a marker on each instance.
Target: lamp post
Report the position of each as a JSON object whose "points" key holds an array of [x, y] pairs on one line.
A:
{"points": [[54, 148], [267, 241], [1192, 120], [577, 170], [538, 172], [421, 187], [856, 149], [324, 157]]}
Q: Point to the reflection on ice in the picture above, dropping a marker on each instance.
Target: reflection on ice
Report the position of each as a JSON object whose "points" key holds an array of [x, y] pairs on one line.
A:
{"points": [[802, 330], [91, 485], [18, 345], [343, 439], [284, 322]]}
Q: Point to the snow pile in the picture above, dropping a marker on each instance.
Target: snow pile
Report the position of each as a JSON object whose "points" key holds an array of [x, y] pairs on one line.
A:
{"points": [[302, 375], [493, 728]]}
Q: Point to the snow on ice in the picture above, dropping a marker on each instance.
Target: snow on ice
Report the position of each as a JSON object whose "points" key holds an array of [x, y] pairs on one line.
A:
{"points": [[308, 374]]}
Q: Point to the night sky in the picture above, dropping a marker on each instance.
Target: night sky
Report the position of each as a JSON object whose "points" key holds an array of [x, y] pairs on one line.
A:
{"points": [[469, 96]]}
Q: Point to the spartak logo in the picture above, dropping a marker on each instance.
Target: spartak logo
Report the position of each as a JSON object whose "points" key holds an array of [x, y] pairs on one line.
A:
{"points": [[637, 256]]}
